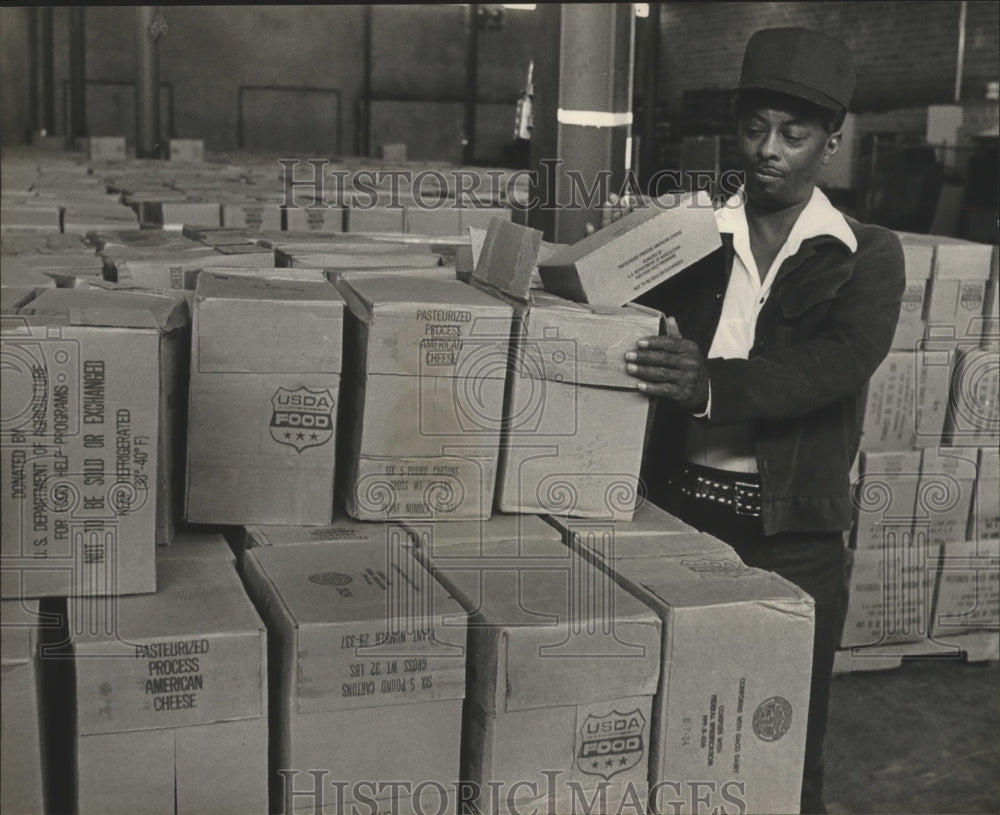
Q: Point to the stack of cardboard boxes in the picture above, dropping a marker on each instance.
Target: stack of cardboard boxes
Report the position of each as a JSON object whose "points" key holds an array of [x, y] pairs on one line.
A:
{"points": [[925, 474]]}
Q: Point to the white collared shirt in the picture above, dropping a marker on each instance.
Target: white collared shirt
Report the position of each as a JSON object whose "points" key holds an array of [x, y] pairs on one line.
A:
{"points": [[730, 447]]}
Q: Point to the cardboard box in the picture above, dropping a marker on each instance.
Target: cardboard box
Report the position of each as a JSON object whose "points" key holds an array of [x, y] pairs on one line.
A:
{"points": [[14, 297], [306, 219], [106, 148], [890, 594], [566, 375], [22, 763], [559, 453], [652, 533], [423, 398], [171, 699], [265, 383], [635, 253], [984, 516], [187, 150], [174, 214], [480, 217], [379, 218], [498, 529], [252, 215], [368, 667], [910, 328], [967, 595], [885, 499], [973, 417], [944, 495], [563, 667], [341, 529], [364, 260], [180, 273], [445, 219], [46, 217], [907, 400], [727, 713], [92, 407]]}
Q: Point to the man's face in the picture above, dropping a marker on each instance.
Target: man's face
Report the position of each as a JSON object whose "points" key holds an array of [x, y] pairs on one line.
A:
{"points": [[782, 154]]}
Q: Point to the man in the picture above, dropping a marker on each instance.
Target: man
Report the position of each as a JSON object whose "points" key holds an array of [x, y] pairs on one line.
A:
{"points": [[762, 378]]}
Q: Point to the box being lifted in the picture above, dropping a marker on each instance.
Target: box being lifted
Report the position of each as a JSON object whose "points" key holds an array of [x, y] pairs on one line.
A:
{"points": [[90, 432], [635, 253], [171, 698], [265, 381], [574, 419], [423, 395], [563, 665], [367, 677]]}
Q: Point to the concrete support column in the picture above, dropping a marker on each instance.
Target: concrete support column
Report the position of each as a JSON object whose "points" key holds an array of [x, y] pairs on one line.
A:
{"points": [[581, 143], [77, 76], [147, 85]]}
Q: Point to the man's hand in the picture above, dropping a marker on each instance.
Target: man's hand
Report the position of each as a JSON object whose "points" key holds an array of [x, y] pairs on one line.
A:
{"points": [[671, 367]]}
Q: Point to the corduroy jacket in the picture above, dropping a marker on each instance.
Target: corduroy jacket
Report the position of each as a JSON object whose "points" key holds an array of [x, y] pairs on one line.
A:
{"points": [[826, 327]]}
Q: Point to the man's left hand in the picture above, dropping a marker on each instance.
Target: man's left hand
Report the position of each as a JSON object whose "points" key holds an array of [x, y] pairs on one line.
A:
{"points": [[671, 367]]}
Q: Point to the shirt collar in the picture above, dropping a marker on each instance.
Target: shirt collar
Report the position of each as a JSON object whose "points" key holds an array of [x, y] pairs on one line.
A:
{"points": [[818, 218]]}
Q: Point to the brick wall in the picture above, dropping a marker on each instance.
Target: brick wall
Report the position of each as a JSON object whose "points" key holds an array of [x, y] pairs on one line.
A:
{"points": [[906, 52]]}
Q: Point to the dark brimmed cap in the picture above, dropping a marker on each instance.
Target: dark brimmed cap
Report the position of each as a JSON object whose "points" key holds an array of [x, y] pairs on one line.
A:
{"points": [[800, 63]]}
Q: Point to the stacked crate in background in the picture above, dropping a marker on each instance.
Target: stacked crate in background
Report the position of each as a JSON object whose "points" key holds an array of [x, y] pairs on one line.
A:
{"points": [[924, 544]]}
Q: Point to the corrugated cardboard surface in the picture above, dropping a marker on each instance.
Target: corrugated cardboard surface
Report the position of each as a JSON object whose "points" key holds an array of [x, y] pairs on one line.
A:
{"points": [[944, 494], [499, 528], [265, 382], [21, 760], [423, 400], [635, 253], [890, 594], [967, 595], [563, 664], [984, 517], [174, 687], [81, 485], [365, 643], [885, 498], [726, 709]]}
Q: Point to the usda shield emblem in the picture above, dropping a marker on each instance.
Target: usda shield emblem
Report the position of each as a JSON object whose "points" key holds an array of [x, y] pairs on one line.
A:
{"points": [[302, 417], [611, 744]]}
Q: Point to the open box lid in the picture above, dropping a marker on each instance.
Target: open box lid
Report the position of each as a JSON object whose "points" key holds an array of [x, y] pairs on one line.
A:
{"points": [[89, 306]]}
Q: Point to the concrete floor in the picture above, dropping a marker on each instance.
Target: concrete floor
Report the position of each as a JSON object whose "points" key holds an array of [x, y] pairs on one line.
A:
{"points": [[923, 738]]}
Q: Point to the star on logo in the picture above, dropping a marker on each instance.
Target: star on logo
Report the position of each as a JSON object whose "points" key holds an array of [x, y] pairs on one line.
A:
{"points": [[300, 435], [594, 764], [623, 761], [313, 436], [610, 763], [288, 435]]}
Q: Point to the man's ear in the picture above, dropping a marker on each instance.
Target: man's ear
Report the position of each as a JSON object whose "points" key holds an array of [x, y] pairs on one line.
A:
{"points": [[832, 146]]}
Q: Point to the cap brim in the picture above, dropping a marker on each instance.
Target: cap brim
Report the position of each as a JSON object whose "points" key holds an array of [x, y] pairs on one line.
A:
{"points": [[794, 89]]}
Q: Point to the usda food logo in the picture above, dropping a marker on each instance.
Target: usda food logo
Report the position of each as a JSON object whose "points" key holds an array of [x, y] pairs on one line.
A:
{"points": [[611, 744], [302, 417]]}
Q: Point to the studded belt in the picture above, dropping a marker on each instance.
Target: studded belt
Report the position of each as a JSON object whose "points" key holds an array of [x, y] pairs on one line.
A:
{"points": [[737, 492]]}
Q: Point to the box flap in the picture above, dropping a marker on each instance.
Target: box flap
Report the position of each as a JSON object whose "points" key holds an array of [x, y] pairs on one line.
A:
{"points": [[989, 465], [547, 628], [509, 254], [114, 309]]}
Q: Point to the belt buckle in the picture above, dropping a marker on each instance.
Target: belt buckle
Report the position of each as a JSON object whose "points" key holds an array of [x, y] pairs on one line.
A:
{"points": [[743, 499]]}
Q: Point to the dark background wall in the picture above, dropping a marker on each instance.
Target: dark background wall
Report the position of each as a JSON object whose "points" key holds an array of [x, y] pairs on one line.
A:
{"points": [[906, 52], [210, 51]]}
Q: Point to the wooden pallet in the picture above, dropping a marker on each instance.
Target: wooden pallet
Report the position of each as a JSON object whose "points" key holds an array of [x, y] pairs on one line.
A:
{"points": [[972, 646]]}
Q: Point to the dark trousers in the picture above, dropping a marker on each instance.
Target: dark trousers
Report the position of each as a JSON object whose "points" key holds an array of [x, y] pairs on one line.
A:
{"points": [[815, 562]]}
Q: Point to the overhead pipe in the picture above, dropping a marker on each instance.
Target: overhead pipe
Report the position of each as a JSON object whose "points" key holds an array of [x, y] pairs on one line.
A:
{"points": [[48, 73], [960, 61], [147, 84]]}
